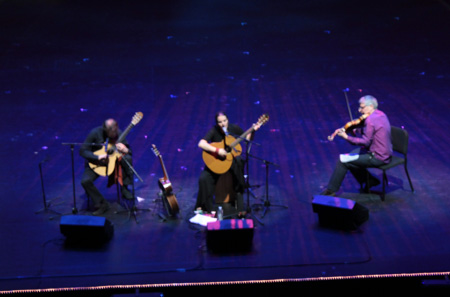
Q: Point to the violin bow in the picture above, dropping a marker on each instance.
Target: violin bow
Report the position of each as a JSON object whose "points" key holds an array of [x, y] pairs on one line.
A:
{"points": [[348, 104]]}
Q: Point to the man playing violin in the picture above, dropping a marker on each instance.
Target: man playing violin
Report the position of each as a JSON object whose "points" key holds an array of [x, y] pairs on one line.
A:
{"points": [[107, 133], [375, 147]]}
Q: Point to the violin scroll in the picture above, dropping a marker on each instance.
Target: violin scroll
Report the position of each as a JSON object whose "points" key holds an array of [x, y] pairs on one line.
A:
{"points": [[331, 137]]}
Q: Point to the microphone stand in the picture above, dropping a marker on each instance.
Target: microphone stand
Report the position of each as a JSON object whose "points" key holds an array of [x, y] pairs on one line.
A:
{"points": [[46, 208], [247, 184], [247, 181], [267, 203], [72, 145]]}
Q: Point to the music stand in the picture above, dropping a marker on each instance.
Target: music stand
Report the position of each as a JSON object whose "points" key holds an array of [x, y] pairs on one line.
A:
{"points": [[133, 209], [47, 205]]}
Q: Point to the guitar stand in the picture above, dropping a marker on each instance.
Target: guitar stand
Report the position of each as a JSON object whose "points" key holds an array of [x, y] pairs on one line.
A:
{"points": [[47, 205], [163, 199], [161, 214], [267, 203]]}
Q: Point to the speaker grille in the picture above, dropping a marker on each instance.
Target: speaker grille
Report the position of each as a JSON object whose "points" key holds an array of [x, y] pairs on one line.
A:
{"points": [[339, 213]]}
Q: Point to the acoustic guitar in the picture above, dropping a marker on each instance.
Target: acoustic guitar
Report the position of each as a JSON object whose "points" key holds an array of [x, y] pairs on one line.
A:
{"points": [[232, 145], [169, 199], [107, 168]]}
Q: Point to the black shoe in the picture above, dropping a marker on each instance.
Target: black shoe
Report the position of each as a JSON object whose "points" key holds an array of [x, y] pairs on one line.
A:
{"points": [[328, 193], [126, 194], [102, 209], [373, 182]]}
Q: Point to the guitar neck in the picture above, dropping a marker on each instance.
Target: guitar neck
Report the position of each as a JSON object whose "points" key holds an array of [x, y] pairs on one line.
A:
{"points": [[125, 133], [240, 138], [166, 176]]}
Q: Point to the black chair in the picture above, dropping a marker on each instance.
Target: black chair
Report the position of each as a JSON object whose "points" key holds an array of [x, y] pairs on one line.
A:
{"points": [[400, 140]]}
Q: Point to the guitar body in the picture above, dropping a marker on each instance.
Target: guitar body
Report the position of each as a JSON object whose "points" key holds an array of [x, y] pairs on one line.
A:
{"points": [[169, 199], [107, 167], [172, 204], [221, 165]]}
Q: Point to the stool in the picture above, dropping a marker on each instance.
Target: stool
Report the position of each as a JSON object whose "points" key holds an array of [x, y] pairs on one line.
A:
{"points": [[224, 192]]}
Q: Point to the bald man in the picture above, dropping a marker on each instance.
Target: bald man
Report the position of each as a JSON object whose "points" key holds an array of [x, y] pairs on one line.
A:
{"points": [[109, 132]]}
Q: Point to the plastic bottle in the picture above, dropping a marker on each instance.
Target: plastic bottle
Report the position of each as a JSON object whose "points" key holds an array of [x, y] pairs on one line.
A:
{"points": [[220, 213]]}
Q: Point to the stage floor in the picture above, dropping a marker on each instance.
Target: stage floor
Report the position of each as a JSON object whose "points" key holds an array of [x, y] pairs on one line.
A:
{"points": [[66, 67]]}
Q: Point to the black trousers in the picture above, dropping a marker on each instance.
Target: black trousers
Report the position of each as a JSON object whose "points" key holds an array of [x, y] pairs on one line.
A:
{"points": [[89, 177], [207, 185], [358, 168]]}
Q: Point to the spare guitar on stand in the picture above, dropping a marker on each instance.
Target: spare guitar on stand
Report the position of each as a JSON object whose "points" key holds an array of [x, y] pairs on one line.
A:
{"points": [[168, 197]]}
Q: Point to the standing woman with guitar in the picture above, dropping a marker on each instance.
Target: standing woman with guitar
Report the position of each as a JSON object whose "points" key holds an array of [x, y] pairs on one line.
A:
{"points": [[100, 150], [221, 154]]}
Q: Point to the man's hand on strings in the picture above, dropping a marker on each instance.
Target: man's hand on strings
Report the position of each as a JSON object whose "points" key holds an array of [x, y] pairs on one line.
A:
{"points": [[122, 148]]}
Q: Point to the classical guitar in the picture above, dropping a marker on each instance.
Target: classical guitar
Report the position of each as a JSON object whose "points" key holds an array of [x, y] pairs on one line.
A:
{"points": [[221, 165], [113, 154], [169, 199]]}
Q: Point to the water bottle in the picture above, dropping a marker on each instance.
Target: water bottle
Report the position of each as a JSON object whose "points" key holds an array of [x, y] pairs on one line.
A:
{"points": [[220, 213]]}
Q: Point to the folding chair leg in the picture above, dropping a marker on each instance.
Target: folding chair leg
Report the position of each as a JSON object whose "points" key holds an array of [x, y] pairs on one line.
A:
{"points": [[409, 179], [367, 183], [385, 182]]}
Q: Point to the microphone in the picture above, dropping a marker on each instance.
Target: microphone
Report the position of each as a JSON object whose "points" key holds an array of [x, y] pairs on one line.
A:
{"points": [[225, 130], [106, 144], [44, 160]]}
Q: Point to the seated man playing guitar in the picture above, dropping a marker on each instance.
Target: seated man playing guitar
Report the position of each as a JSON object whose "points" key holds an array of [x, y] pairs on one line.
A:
{"points": [[102, 151], [221, 154]]}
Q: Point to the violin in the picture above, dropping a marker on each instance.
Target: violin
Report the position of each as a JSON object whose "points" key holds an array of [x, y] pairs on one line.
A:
{"points": [[348, 125]]}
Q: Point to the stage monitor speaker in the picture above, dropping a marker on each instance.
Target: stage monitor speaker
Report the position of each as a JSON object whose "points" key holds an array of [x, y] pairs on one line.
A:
{"points": [[88, 229], [230, 235], [339, 213]]}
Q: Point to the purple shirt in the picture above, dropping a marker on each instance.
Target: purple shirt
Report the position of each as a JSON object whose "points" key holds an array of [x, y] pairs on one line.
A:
{"points": [[376, 136]]}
